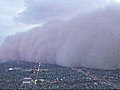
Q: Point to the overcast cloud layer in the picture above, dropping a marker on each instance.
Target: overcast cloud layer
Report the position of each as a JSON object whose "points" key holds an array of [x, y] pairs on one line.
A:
{"points": [[37, 11], [21, 15], [88, 39]]}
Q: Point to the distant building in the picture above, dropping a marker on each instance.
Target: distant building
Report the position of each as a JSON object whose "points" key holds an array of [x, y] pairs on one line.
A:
{"points": [[27, 81], [27, 84], [35, 82], [41, 80], [44, 70], [39, 67], [10, 69]]}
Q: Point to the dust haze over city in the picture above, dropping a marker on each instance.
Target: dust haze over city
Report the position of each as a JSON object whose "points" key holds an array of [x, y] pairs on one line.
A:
{"points": [[70, 33]]}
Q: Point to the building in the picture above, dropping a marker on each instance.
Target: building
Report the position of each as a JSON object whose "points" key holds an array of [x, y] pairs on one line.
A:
{"points": [[27, 81], [39, 67]]}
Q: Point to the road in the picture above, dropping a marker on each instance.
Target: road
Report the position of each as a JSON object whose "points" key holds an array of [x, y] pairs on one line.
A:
{"points": [[103, 81]]}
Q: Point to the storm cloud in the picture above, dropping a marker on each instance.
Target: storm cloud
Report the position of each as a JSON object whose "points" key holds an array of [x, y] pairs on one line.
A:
{"points": [[38, 11], [88, 40]]}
